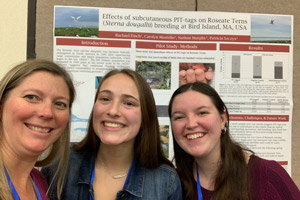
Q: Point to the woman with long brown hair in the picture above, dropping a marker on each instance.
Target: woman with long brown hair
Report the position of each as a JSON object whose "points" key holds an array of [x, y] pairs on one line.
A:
{"points": [[121, 156], [209, 163]]}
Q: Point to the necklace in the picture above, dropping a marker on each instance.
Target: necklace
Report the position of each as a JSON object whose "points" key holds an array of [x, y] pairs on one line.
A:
{"points": [[119, 176], [116, 176], [126, 180]]}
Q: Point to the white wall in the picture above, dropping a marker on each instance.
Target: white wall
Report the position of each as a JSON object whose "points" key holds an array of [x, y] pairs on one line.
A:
{"points": [[13, 33]]}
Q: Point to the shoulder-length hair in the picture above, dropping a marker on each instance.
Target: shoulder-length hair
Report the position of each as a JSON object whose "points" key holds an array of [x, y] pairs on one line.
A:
{"points": [[147, 146], [12, 79], [231, 179]]}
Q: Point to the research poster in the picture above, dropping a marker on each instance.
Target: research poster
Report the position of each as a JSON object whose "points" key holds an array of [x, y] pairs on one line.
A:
{"points": [[246, 57]]}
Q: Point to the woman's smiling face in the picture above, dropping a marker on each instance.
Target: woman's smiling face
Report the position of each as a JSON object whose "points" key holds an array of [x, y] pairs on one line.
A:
{"points": [[35, 113], [197, 124], [117, 115]]}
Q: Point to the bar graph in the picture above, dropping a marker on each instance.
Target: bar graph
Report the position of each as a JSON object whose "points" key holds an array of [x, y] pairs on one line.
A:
{"points": [[236, 67], [278, 70], [257, 67]]}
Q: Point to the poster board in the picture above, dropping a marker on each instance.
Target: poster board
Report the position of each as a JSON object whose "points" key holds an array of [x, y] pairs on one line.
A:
{"points": [[44, 36]]}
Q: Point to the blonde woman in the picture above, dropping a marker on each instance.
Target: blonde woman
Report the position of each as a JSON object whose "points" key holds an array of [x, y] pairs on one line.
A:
{"points": [[35, 102]]}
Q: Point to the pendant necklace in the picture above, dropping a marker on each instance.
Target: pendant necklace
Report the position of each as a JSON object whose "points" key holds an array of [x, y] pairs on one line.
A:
{"points": [[117, 176]]}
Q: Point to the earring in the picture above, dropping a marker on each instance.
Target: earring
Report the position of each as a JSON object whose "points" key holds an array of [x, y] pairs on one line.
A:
{"points": [[224, 130]]}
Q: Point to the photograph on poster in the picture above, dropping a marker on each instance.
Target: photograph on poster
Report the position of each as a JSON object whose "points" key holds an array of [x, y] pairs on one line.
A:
{"points": [[164, 138], [190, 72], [157, 74], [271, 29], [76, 22], [97, 81]]}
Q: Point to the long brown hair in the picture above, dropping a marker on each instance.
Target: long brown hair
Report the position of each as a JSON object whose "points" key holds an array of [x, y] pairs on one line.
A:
{"points": [[231, 179], [147, 146], [60, 147]]}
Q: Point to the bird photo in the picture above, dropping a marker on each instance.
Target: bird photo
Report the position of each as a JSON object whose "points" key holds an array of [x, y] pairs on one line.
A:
{"points": [[76, 18], [271, 28], [76, 22]]}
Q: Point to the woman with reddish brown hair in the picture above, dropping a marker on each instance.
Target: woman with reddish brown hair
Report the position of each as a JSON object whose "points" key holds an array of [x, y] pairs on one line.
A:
{"points": [[209, 163]]}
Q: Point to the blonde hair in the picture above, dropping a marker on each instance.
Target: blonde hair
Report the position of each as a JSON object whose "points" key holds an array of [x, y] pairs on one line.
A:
{"points": [[60, 147]]}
